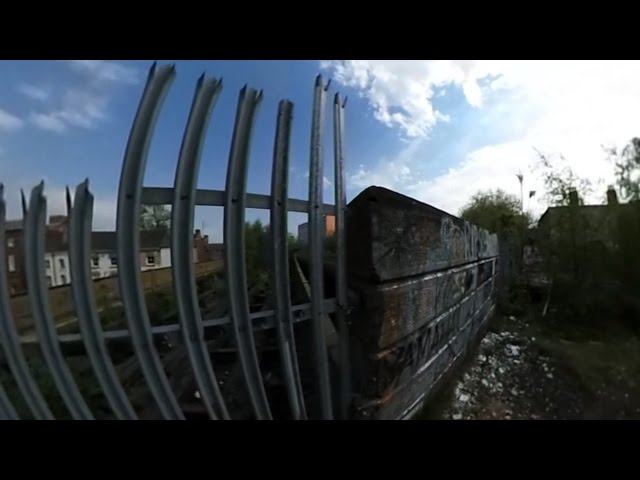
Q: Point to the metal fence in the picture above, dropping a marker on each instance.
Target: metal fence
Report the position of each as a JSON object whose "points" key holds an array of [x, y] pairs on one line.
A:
{"points": [[183, 198]]}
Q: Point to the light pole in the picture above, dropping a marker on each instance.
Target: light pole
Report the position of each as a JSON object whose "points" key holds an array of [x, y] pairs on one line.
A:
{"points": [[520, 179]]}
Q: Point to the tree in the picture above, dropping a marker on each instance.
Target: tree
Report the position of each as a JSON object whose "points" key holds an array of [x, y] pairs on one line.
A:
{"points": [[559, 180], [627, 169], [493, 209], [154, 217], [256, 254]]}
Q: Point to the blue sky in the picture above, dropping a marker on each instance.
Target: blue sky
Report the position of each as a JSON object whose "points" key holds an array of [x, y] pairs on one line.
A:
{"points": [[435, 130]]}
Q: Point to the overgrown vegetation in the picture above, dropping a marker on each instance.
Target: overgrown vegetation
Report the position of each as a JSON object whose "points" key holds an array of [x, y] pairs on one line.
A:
{"points": [[155, 217], [496, 211], [560, 180], [590, 253], [627, 169]]}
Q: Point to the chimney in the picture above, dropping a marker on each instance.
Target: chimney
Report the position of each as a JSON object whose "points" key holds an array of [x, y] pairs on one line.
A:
{"points": [[612, 197], [573, 198]]}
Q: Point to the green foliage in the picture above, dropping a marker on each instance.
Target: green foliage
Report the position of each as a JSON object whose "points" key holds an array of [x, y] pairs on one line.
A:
{"points": [[495, 209], [330, 245], [515, 301], [257, 255], [559, 180], [292, 243], [627, 169], [592, 258], [155, 217]]}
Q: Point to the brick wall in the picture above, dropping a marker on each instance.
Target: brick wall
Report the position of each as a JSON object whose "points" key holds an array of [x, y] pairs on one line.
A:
{"points": [[425, 282]]}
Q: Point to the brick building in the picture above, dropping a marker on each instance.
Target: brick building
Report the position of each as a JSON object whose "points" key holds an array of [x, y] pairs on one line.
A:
{"points": [[329, 228]]}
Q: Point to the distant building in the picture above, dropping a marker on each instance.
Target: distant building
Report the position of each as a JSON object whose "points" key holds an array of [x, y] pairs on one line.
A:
{"points": [[329, 228], [205, 251], [154, 253], [303, 233], [15, 256], [55, 241], [596, 222], [56, 258]]}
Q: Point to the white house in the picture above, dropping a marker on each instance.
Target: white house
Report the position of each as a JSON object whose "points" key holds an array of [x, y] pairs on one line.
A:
{"points": [[56, 259], [154, 253]]}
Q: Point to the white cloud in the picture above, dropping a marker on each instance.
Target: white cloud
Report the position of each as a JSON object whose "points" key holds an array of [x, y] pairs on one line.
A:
{"points": [[33, 92], [105, 70], [48, 121], [400, 91], [9, 122], [80, 108], [567, 107], [84, 104]]}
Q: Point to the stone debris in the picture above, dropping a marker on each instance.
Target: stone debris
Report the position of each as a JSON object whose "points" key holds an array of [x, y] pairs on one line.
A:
{"points": [[513, 350], [509, 379]]}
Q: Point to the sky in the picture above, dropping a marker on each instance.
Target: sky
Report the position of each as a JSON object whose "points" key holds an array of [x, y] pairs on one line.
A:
{"points": [[435, 130]]}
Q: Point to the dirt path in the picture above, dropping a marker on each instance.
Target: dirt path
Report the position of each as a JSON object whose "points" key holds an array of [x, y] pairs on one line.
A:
{"points": [[523, 370]]}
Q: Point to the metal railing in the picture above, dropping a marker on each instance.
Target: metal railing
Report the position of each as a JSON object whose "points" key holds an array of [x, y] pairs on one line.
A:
{"points": [[183, 198]]}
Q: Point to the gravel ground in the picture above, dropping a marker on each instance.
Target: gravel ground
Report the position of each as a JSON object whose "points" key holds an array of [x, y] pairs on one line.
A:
{"points": [[527, 369], [510, 379]]}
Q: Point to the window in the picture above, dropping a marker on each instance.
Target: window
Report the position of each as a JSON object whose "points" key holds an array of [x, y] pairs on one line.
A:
{"points": [[12, 263], [63, 279], [11, 243], [61, 261], [49, 282], [47, 263], [95, 262], [151, 260], [114, 260]]}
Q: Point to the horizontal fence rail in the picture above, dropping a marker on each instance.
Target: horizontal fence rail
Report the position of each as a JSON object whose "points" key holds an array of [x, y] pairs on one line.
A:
{"points": [[193, 339], [216, 198]]}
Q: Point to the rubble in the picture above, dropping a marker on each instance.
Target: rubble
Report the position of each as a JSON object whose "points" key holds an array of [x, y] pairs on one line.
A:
{"points": [[509, 379]]}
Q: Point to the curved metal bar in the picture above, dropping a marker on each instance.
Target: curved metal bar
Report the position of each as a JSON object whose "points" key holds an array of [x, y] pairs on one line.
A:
{"points": [[341, 257], [234, 240], [316, 246], [7, 410], [128, 239], [35, 218], [81, 215], [10, 340], [280, 270], [262, 320], [182, 213]]}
